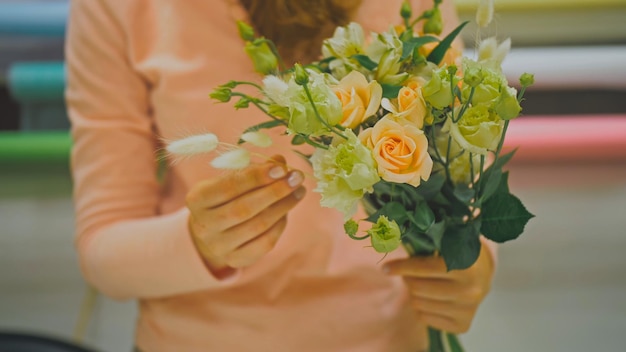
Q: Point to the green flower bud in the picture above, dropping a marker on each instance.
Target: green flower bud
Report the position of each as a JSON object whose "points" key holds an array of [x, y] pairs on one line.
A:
{"points": [[434, 24], [507, 106], [243, 103], [301, 76], [452, 69], [527, 79], [351, 227], [230, 85], [405, 10], [473, 76], [246, 32], [263, 58], [222, 94], [385, 235]]}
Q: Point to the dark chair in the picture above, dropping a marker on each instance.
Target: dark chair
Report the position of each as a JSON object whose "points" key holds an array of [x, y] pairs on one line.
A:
{"points": [[23, 342]]}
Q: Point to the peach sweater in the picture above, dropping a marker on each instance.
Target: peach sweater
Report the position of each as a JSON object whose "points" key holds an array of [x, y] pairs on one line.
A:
{"points": [[140, 71]]}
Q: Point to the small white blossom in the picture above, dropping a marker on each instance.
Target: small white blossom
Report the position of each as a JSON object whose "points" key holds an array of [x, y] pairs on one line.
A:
{"points": [[484, 14], [234, 159], [193, 145], [257, 138]]}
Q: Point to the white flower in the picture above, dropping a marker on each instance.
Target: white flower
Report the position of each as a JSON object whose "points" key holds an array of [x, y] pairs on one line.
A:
{"points": [[386, 50], [346, 42], [275, 89], [493, 54], [233, 159], [257, 138], [344, 173], [194, 145]]}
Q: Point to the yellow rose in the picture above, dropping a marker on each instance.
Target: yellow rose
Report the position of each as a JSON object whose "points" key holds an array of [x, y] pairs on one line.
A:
{"points": [[401, 151], [478, 131], [409, 107], [360, 99]]}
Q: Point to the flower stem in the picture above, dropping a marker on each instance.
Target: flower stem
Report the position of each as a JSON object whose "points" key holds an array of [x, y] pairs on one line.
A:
{"points": [[465, 105], [317, 114]]}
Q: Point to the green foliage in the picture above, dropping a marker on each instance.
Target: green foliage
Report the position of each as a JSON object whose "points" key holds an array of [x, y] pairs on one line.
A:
{"points": [[409, 46], [504, 217], [365, 61], [440, 51], [460, 245], [390, 91]]}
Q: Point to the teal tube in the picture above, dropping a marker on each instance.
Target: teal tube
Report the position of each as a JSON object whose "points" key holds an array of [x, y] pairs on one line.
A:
{"points": [[37, 82]]}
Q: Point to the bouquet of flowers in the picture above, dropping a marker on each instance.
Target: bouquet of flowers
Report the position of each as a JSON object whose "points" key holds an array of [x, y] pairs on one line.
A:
{"points": [[402, 123]]}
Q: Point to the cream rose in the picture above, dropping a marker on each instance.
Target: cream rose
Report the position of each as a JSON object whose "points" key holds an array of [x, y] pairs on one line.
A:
{"points": [[409, 107], [401, 151], [360, 99]]}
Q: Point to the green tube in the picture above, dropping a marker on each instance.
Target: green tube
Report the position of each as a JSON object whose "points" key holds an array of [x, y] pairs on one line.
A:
{"points": [[32, 148]]}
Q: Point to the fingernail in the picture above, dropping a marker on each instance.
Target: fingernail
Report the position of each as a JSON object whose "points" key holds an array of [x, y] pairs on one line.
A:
{"points": [[295, 179], [299, 193], [277, 172]]}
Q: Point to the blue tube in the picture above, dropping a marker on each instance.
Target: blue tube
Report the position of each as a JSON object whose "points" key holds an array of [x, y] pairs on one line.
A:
{"points": [[34, 18]]}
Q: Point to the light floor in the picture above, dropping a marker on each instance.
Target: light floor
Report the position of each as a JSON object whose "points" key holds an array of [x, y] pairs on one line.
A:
{"points": [[560, 287]]}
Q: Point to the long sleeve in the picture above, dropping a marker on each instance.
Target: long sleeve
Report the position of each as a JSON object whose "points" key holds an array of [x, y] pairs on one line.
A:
{"points": [[126, 248]]}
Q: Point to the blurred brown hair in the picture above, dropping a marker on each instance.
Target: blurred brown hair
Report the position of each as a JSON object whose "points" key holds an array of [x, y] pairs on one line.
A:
{"points": [[299, 26]]}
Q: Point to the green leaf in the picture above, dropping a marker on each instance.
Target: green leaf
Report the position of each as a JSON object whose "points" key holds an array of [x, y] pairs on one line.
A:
{"points": [[440, 51], [393, 210], [497, 165], [298, 140], [417, 243], [409, 46], [429, 189], [454, 343], [423, 217], [503, 217], [460, 245], [463, 193], [503, 159], [365, 61], [491, 184], [264, 125], [436, 232], [456, 207], [390, 91]]}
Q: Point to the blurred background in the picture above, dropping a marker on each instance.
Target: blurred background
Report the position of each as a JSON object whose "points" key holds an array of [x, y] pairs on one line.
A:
{"points": [[560, 287]]}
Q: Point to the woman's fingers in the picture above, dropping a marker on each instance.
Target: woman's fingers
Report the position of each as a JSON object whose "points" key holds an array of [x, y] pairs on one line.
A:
{"points": [[256, 248], [249, 205], [242, 233], [220, 190], [422, 267]]}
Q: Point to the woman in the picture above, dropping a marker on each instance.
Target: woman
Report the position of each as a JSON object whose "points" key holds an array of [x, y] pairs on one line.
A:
{"points": [[210, 255]]}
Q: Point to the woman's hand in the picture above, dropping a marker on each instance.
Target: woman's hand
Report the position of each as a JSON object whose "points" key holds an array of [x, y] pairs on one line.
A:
{"points": [[445, 300], [238, 217]]}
